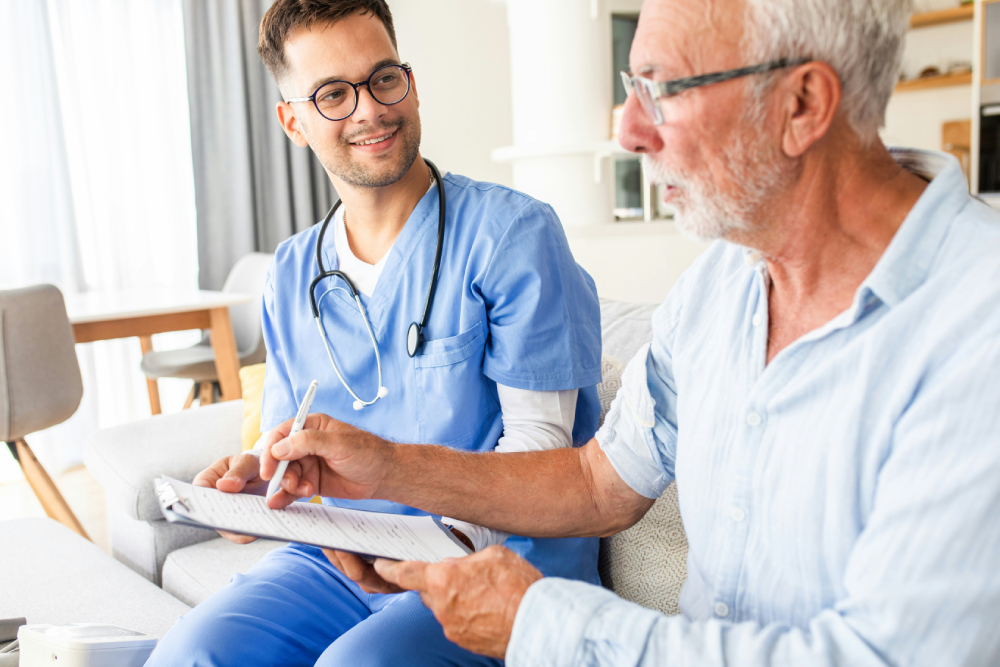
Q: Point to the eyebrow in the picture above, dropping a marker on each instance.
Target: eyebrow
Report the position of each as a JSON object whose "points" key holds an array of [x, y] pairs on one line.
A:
{"points": [[325, 80]]}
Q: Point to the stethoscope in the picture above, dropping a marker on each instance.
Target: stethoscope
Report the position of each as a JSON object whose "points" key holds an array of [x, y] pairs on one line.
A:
{"points": [[414, 335]]}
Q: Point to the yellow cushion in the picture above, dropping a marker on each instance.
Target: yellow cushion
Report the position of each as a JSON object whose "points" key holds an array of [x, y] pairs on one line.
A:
{"points": [[252, 379]]}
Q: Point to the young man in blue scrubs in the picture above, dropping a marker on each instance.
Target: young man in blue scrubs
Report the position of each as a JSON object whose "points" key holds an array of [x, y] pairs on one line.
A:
{"points": [[509, 360]]}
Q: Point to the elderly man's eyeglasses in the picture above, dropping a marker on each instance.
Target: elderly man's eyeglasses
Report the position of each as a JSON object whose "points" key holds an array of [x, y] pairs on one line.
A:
{"points": [[337, 100], [649, 92]]}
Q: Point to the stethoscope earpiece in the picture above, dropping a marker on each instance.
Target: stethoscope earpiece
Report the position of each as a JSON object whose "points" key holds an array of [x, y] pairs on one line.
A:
{"points": [[414, 335]]}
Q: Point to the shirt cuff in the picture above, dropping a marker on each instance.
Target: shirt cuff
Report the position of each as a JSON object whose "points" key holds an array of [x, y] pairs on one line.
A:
{"points": [[551, 621]]}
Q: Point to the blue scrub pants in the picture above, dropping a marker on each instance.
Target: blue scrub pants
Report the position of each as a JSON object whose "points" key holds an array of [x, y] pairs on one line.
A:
{"points": [[294, 608]]}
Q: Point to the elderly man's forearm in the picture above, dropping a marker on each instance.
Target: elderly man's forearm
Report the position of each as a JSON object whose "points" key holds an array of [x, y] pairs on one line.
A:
{"points": [[556, 493]]}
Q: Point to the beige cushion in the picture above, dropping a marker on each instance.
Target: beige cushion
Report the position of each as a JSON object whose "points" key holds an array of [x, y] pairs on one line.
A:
{"points": [[646, 564], [194, 573]]}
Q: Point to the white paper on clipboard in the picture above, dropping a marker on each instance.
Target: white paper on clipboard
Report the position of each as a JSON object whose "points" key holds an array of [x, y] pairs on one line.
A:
{"points": [[371, 534]]}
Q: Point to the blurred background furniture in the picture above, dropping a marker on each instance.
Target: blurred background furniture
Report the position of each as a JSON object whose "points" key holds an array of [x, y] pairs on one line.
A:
{"points": [[645, 564], [40, 383], [198, 362], [104, 315], [956, 138]]}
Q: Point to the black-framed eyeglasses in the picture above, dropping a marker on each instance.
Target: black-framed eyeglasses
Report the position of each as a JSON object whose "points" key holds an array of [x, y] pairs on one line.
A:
{"points": [[337, 100], [649, 92]]}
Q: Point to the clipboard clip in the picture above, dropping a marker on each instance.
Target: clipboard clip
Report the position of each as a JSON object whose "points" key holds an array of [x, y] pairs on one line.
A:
{"points": [[168, 496]]}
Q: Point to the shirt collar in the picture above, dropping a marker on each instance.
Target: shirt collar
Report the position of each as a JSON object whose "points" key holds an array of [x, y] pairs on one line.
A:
{"points": [[906, 261], [905, 264]]}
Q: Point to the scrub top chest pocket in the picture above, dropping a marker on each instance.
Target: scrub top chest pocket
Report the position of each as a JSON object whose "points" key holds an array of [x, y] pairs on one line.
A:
{"points": [[454, 397]]}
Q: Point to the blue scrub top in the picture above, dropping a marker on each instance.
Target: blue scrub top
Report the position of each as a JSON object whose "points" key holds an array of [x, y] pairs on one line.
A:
{"points": [[511, 307]]}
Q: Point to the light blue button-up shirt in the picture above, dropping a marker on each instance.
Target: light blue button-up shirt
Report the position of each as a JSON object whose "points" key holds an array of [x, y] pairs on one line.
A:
{"points": [[842, 503]]}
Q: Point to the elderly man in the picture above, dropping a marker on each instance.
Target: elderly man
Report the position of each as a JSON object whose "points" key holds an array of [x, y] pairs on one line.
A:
{"points": [[822, 384]]}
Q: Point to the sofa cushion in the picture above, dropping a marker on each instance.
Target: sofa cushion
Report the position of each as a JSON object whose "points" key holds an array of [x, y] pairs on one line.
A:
{"points": [[126, 459], [193, 573], [52, 575], [625, 327], [611, 382], [646, 564]]}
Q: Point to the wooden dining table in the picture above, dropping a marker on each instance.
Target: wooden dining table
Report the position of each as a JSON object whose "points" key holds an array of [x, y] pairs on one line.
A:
{"points": [[106, 315]]}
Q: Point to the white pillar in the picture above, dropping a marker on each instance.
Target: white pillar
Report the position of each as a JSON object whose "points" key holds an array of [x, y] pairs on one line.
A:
{"points": [[560, 54]]}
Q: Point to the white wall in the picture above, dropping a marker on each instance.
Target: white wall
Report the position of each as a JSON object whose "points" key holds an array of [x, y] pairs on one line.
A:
{"points": [[461, 63], [460, 52], [914, 118], [633, 261]]}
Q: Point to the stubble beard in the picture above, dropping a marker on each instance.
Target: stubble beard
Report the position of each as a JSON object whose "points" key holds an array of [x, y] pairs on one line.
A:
{"points": [[387, 171]]}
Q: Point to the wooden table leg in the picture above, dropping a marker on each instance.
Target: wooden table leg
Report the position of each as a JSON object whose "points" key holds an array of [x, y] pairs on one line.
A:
{"points": [[190, 398], [48, 495], [227, 359], [146, 342]]}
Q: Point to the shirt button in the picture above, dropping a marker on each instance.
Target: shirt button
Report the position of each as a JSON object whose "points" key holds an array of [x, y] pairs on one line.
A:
{"points": [[721, 609], [738, 514], [756, 320], [754, 419]]}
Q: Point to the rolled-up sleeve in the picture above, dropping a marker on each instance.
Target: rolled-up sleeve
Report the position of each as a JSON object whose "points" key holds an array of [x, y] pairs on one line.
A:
{"points": [[639, 434]]}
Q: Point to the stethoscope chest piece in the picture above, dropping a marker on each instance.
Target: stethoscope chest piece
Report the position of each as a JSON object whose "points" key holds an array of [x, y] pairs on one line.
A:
{"points": [[414, 339]]}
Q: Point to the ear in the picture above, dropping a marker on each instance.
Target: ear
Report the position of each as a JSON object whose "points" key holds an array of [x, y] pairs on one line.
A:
{"points": [[413, 88], [290, 124], [811, 102]]}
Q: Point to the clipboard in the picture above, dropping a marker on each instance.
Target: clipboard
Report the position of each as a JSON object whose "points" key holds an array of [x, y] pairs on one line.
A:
{"points": [[368, 534]]}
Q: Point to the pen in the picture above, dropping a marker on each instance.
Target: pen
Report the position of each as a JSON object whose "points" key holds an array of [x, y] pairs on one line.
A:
{"points": [[300, 421]]}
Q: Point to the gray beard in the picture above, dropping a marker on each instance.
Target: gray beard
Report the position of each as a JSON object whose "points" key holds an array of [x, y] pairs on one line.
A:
{"points": [[704, 213]]}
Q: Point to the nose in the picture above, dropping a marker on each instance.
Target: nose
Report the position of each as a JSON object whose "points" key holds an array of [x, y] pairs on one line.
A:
{"points": [[637, 132], [368, 109]]}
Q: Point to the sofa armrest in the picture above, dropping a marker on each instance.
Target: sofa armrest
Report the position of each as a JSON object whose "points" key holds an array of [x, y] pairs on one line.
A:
{"points": [[126, 459]]}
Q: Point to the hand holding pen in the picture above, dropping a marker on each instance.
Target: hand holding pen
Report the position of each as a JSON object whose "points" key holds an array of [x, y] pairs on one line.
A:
{"points": [[300, 420]]}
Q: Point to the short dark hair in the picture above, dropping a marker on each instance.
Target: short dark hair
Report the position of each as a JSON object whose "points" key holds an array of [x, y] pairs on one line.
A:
{"points": [[284, 16]]}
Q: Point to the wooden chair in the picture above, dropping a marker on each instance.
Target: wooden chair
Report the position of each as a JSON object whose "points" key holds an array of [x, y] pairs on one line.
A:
{"points": [[40, 383]]}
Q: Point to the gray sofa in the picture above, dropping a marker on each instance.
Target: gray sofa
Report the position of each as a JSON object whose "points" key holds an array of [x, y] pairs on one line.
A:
{"points": [[645, 564]]}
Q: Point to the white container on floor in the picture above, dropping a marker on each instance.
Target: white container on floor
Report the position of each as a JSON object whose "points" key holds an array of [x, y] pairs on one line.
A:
{"points": [[82, 645]]}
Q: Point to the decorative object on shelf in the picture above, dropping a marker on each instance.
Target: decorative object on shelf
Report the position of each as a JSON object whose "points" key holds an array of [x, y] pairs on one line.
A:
{"points": [[929, 72], [616, 120], [948, 73], [956, 138]]}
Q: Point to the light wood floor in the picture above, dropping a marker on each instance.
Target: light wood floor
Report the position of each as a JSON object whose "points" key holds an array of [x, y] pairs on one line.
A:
{"points": [[83, 493]]}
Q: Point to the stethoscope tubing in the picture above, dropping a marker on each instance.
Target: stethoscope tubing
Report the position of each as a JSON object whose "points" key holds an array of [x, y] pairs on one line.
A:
{"points": [[323, 273]]}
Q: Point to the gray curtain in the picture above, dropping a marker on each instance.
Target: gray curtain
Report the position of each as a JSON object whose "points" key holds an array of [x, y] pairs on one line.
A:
{"points": [[253, 187]]}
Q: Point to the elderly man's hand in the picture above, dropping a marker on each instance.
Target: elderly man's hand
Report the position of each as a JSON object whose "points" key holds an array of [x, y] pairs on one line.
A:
{"points": [[327, 457], [474, 598]]}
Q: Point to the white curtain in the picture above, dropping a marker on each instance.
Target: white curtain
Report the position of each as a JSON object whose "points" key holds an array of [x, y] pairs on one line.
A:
{"points": [[96, 184]]}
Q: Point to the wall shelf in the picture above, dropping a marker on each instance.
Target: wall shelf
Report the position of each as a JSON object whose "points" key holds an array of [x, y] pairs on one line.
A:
{"points": [[935, 82], [942, 16]]}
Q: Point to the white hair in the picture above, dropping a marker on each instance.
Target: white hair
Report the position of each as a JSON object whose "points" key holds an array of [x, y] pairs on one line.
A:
{"points": [[862, 40]]}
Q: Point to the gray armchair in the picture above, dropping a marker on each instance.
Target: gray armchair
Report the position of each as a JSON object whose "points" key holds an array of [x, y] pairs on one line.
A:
{"points": [[40, 383]]}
